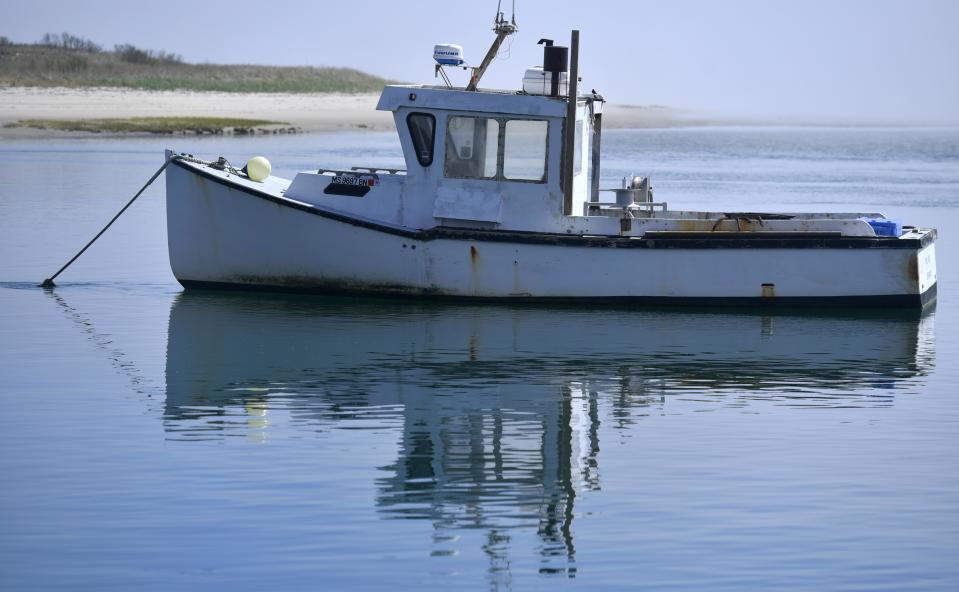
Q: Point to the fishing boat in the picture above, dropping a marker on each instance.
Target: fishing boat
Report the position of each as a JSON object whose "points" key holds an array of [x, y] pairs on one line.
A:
{"points": [[501, 199]]}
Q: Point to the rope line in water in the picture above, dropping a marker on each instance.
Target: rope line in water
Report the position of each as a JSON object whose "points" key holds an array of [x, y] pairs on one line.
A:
{"points": [[48, 283]]}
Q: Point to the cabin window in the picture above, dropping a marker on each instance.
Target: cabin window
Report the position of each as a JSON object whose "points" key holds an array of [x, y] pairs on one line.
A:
{"points": [[524, 150], [504, 149], [471, 147], [423, 131]]}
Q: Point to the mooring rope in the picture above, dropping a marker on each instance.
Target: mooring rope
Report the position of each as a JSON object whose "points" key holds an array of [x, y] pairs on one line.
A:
{"points": [[48, 283]]}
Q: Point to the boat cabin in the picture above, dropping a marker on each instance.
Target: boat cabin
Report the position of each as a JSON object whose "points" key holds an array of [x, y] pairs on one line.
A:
{"points": [[474, 159]]}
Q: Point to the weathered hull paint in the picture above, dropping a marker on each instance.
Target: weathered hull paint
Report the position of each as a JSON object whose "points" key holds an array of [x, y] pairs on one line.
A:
{"points": [[225, 234]]}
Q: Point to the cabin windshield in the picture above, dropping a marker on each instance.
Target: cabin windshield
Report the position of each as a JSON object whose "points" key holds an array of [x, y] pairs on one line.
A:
{"points": [[524, 150], [501, 148], [471, 147]]}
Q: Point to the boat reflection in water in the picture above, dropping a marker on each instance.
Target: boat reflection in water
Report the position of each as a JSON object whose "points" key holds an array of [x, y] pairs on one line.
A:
{"points": [[501, 406]]}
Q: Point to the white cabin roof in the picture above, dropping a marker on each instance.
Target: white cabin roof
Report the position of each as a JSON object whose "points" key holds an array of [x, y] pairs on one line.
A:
{"points": [[395, 97]]}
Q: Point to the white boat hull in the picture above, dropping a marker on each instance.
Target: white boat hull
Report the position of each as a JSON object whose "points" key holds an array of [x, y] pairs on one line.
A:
{"points": [[224, 232]]}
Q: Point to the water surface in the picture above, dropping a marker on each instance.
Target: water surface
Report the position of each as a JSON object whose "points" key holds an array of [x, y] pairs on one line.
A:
{"points": [[157, 439]]}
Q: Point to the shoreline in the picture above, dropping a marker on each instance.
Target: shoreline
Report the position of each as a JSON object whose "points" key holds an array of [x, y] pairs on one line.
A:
{"points": [[311, 112], [308, 112]]}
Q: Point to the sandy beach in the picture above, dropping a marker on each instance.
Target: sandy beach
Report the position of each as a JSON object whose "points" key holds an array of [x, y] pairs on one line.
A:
{"points": [[309, 112]]}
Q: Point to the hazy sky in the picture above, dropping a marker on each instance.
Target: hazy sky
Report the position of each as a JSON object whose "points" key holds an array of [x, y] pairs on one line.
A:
{"points": [[853, 60]]}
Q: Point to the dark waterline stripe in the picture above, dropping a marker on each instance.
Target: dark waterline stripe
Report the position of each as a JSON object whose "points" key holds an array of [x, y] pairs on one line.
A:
{"points": [[881, 300]]}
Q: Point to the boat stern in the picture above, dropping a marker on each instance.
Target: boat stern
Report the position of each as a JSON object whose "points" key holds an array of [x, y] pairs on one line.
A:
{"points": [[922, 265]]}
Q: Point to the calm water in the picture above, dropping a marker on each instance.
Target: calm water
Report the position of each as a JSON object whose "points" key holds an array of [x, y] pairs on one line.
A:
{"points": [[156, 440]]}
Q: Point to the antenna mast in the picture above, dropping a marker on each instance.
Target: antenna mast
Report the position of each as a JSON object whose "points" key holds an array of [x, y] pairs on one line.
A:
{"points": [[503, 29]]}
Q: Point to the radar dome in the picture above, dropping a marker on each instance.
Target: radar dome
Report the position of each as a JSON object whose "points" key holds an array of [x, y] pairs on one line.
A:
{"points": [[448, 54]]}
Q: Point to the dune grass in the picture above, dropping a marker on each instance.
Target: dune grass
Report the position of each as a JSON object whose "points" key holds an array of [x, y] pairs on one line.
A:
{"points": [[44, 66], [153, 125]]}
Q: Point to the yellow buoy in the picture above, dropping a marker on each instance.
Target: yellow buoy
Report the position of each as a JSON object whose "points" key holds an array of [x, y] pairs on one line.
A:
{"points": [[258, 168]]}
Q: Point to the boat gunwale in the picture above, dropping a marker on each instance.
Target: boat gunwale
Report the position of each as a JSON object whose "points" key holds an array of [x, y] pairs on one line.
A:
{"points": [[693, 241]]}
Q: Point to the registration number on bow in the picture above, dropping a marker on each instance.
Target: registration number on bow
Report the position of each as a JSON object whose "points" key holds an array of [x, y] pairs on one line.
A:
{"points": [[356, 179]]}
